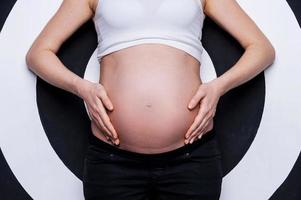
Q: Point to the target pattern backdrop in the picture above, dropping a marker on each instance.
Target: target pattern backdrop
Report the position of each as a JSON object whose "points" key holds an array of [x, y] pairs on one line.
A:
{"points": [[43, 134]]}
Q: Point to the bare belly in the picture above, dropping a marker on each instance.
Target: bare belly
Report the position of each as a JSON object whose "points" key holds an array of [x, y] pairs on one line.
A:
{"points": [[150, 87]]}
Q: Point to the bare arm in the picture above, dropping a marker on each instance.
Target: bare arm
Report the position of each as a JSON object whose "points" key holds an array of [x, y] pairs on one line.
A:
{"points": [[259, 52], [41, 57], [42, 60]]}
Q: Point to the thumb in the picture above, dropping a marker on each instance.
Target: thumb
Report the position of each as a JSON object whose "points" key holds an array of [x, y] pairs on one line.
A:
{"points": [[195, 99]]}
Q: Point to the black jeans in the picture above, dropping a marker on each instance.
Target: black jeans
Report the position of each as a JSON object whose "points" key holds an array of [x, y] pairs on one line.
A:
{"points": [[191, 172]]}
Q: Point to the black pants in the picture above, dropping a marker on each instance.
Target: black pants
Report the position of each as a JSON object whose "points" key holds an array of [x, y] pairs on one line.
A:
{"points": [[191, 172]]}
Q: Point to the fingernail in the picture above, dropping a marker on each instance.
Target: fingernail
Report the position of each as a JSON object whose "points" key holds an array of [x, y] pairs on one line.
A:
{"points": [[191, 140], [186, 141], [117, 141]]}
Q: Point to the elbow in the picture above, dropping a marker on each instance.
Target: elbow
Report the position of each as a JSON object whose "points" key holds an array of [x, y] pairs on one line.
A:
{"points": [[271, 53], [29, 59], [33, 56]]}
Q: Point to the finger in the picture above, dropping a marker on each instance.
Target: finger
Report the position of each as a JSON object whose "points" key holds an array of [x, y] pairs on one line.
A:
{"points": [[205, 122], [102, 94], [203, 125], [200, 133], [108, 138], [196, 99], [193, 134], [98, 121], [208, 128], [107, 122], [102, 130], [193, 127], [101, 125], [95, 119], [109, 133], [209, 116], [194, 138], [209, 125], [105, 131], [205, 128], [198, 119]]}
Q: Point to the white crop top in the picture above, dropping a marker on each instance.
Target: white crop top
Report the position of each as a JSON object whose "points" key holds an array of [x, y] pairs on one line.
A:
{"points": [[123, 23]]}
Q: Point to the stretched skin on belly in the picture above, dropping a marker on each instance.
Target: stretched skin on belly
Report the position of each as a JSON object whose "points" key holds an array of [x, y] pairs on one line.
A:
{"points": [[150, 107], [150, 88]]}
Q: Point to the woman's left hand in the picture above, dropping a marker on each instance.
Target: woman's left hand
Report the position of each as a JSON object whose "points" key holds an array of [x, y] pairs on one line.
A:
{"points": [[207, 96]]}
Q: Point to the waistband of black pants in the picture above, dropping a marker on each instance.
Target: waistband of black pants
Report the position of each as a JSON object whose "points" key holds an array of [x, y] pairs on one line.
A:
{"points": [[209, 136]]}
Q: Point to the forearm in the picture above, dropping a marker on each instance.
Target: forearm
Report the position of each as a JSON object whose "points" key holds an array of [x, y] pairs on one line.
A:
{"points": [[255, 59], [48, 66]]}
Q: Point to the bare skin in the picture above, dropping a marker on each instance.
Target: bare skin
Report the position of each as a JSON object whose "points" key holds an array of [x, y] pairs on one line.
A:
{"points": [[149, 86], [150, 100]]}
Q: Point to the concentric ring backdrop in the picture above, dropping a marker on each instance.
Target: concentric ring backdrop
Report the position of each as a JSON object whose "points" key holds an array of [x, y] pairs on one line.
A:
{"points": [[43, 134]]}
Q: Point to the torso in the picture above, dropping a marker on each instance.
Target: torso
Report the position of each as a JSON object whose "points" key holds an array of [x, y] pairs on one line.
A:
{"points": [[150, 86]]}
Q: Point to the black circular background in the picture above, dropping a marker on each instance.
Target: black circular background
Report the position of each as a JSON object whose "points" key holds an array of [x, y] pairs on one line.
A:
{"points": [[67, 125]]}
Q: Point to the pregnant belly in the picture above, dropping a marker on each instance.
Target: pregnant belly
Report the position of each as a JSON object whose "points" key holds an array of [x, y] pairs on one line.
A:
{"points": [[150, 106]]}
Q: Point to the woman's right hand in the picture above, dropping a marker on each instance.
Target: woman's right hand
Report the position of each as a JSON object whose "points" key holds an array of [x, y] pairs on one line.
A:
{"points": [[95, 97]]}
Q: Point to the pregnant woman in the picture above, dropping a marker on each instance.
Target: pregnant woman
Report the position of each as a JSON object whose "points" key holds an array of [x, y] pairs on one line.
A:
{"points": [[152, 133]]}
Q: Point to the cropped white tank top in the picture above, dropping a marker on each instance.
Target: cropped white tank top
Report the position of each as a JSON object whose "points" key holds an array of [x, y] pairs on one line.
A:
{"points": [[123, 23]]}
